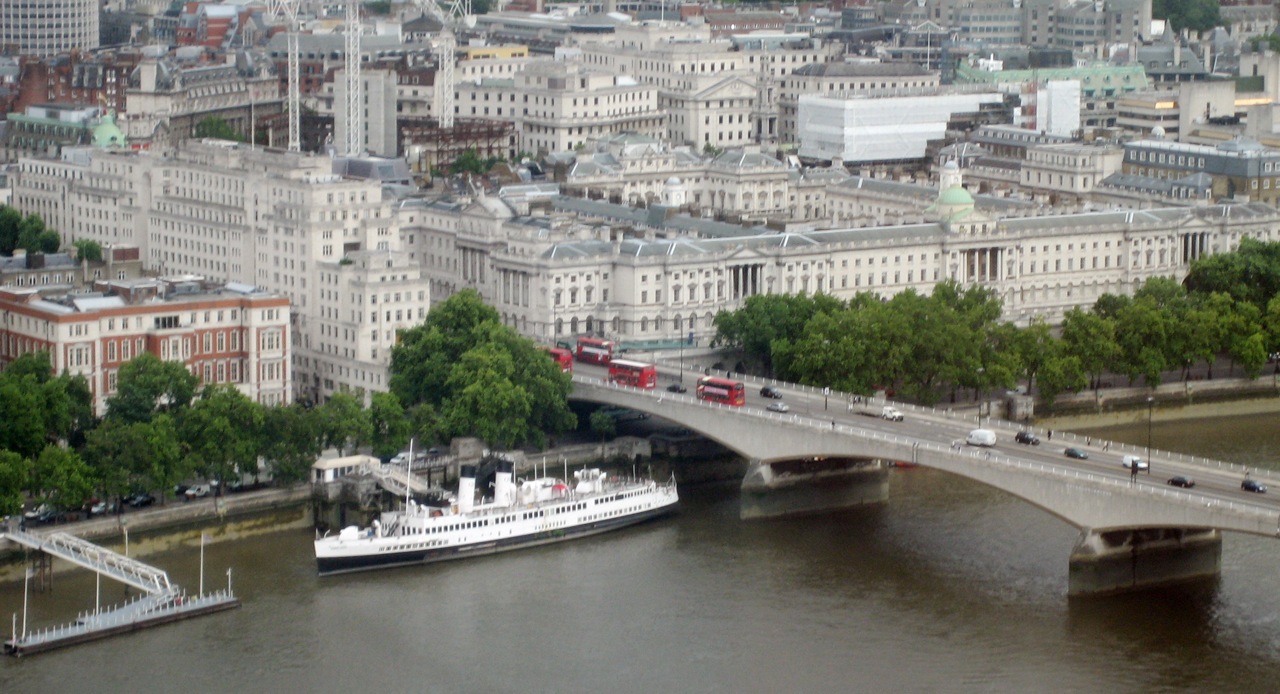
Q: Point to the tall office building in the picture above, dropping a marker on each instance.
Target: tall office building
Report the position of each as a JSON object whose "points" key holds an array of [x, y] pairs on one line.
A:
{"points": [[46, 28]]}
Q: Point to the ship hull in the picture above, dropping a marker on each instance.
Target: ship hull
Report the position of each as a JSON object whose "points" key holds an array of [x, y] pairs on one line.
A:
{"points": [[389, 553]]}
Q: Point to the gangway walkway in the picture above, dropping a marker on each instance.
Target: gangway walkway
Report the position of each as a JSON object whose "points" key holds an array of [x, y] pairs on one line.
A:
{"points": [[393, 479], [161, 602], [90, 556]]}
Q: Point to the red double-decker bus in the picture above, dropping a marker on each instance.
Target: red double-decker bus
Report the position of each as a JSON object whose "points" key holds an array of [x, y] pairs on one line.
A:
{"points": [[633, 373], [593, 350], [722, 390], [561, 356]]}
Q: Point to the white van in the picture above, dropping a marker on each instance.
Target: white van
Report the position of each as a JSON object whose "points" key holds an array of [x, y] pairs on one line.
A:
{"points": [[1133, 462], [981, 437]]}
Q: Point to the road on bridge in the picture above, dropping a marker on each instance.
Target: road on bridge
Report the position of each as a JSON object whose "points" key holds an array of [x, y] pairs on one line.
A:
{"points": [[1213, 479]]}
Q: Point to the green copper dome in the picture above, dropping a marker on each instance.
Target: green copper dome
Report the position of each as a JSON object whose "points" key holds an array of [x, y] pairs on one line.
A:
{"points": [[108, 135], [955, 195]]}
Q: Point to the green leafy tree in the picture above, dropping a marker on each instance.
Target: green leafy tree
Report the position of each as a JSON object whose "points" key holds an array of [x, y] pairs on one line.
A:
{"points": [[604, 426], [65, 480], [15, 478], [30, 231], [88, 249], [127, 456], [391, 428], [422, 360], [485, 401], [217, 127], [223, 430], [765, 318], [1251, 273], [344, 423], [21, 411], [1062, 374], [10, 227], [147, 384], [292, 442], [1091, 339], [1196, 15], [471, 162], [48, 241]]}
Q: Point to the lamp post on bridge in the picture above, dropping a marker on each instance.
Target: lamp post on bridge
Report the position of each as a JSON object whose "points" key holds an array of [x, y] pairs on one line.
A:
{"points": [[1151, 402]]}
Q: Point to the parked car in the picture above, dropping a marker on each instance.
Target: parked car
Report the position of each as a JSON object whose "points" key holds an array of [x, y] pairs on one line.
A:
{"points": [[771, 392], [198, 491], [1133, 462], [892, 414], [779, 407], [1253, 486], [36, 512], [1181, 481], [1076, 453], [677, 388], [141, 499], [1027, 437]]}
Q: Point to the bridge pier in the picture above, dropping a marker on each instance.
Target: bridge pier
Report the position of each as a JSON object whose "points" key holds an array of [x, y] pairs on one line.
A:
{"points": [[811, 485], [1119, 561]]}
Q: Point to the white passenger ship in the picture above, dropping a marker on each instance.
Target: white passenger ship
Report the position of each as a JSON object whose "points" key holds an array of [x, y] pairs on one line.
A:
{"points": [[536, 512]]}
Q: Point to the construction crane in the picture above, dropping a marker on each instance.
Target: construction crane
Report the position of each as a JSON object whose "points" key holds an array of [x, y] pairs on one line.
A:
{"points": [[288, 11], [354, 145], [458, 13]]}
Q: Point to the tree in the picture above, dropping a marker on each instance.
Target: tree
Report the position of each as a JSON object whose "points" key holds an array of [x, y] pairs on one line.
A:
{"points": [[15, 477], [10, 225], [218, 128], [29, 233], [64, 479], [291, 441], [471, 162], [344, 422], [1196, 15], [390, 425], [604, 425], [485, 400], [1091, 339], [21, 412], [765, 318], [48, 241], [129, 455], [87, 249], [146, 384], [223, 430], [1059, 375]]}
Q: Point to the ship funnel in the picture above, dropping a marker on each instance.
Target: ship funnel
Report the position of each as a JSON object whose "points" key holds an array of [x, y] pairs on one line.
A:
{"points": [[467, 489], [504, 492]]}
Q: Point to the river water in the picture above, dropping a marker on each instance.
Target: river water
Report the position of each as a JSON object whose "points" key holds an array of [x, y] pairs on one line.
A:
{"points": [[949, 587]]}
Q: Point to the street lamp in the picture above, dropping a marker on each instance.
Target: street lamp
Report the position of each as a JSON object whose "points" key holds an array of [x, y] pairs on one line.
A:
{"points": [[1151, 402]]}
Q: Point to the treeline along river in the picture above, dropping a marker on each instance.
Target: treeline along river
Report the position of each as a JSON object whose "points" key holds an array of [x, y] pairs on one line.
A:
{"points": [[948, 587]]}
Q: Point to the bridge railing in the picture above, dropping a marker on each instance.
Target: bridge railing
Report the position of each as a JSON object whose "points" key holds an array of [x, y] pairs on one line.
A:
{"points": [[989, 422], [956, 449]]}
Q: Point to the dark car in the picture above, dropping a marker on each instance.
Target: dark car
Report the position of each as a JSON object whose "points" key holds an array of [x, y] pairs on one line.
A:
{"points": [[1027, 437], [141, 500], [1181, 481], [677, 388], [1076, 453], [771, 392], [1253, 486]]}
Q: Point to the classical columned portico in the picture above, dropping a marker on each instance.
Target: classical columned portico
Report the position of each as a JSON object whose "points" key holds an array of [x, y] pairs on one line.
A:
{"points": [[745, 280]]}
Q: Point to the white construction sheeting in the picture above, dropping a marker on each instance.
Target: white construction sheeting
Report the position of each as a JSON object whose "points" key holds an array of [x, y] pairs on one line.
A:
{"points": [[869, 129]]}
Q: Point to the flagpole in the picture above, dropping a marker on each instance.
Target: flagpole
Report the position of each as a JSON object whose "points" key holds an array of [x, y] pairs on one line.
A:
{"points": [[26, 578], [202, 535]]}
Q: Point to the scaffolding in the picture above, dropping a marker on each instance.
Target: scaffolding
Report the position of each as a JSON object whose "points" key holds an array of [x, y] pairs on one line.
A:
{"points": [[428, 147]]}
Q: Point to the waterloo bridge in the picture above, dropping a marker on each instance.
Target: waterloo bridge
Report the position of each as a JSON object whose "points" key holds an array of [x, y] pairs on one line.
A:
{"points": [[1136, 531]]}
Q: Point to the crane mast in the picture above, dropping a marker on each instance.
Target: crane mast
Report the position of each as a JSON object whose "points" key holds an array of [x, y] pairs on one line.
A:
{"points": [[355, 121], [458, 12], [288, 10]]}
